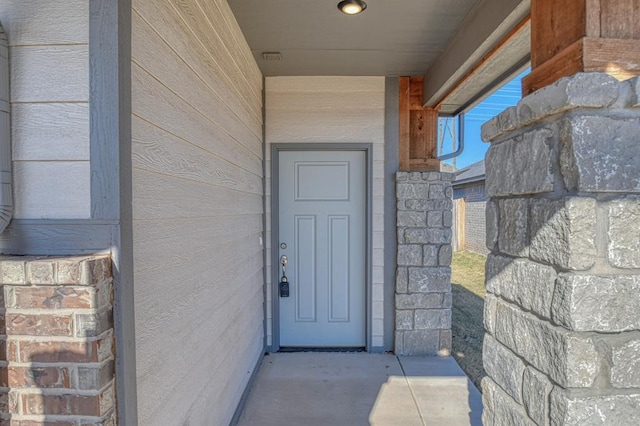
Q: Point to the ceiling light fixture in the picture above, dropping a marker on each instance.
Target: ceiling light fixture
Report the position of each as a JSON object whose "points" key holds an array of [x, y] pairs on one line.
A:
{"points": [[352, 7]]}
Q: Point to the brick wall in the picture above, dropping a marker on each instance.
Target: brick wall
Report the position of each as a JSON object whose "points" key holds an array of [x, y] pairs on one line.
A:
{"points": [[57, 346], [475, 227], [471, 192], [562, 311], [474, 215], [423, 277]]}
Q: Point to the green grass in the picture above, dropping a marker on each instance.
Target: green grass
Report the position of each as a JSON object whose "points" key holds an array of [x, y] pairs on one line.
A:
{"points": [[468, 271], [468, 304]]}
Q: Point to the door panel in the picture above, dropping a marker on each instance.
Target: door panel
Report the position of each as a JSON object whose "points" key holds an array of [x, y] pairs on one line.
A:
{"points": [[322, 220], [339, 283], [305, 278]]}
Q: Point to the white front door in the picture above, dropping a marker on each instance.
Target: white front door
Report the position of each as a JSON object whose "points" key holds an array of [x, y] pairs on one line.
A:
{"points": [[322, 222]]}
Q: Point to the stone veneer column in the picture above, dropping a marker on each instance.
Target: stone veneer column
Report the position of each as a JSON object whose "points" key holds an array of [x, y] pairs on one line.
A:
{"points": [[562, 311], [423, 277], [59, 364]]}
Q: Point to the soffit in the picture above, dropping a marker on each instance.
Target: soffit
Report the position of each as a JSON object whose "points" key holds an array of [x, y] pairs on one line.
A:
{"points": [[390, 38]]}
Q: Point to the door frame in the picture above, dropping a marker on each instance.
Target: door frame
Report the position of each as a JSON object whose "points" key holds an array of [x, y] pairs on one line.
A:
{"points": [[276, 148]]}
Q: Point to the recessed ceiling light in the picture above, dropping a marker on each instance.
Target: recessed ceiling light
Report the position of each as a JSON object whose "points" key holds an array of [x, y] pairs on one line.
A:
{"points": [[352, 7]]}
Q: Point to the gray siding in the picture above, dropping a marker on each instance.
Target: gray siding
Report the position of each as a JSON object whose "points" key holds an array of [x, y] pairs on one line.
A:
{"points": [[49, 58], [197, 211]]}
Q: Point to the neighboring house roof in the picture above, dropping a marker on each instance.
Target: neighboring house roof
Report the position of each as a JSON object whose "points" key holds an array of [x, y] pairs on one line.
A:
{"points": [[472, 173]]}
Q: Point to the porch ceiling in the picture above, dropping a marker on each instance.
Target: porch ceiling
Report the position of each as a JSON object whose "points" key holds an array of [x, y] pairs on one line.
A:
{"points": [[390, 38], [464, 48]]}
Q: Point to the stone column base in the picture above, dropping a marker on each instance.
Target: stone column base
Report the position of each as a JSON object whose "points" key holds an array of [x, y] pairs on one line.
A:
{"points": [[423, 277], [562, 310]]}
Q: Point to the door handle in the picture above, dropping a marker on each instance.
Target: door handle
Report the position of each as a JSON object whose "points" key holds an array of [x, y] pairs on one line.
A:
{"points": [[284, 282]]}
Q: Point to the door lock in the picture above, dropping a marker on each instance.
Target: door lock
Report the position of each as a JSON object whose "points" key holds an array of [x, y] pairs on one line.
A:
{"points": [[284, 282]]}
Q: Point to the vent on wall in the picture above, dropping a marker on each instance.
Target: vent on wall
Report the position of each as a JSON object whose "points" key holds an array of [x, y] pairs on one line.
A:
{"points": [[6, 198], [271, 56]]}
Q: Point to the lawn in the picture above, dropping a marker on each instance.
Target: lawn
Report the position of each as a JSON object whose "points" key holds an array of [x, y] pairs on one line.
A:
{"points": [[468, 304]]}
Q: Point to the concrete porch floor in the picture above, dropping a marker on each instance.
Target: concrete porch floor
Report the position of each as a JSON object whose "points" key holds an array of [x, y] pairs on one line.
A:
{"points": [[350, 389]]}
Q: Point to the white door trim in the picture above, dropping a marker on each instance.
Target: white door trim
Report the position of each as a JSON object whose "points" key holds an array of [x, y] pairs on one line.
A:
{"points": [[275, 299]]}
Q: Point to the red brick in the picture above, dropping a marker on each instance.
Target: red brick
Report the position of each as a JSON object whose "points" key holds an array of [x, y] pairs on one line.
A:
{"points": [[68, 272], [4, 381], [96, 270], [13, 402], [95, 378], [38, 377], [39, 325], [5, 407], [9, 350], [61, 405], [32, 351], [40, 272], [93, 324], [54, 298], [106, 346], [13, 271]]}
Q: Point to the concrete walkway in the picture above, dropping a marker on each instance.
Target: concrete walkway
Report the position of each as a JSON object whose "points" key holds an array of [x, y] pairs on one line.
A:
{"points": [[350, 389]]}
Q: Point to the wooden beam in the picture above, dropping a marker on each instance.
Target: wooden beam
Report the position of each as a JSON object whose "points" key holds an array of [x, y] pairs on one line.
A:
{"points": [[571, 36], [418, 132], [619, 19], [424, 165], [556, 25], [567, 62], [508, 38], [423, 132], [489, 22], [404, 118]]}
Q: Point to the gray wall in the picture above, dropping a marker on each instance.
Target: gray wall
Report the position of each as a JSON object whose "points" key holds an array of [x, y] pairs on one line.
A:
{"points": [[197, 211], [49, 59], [476, 224], [334, 110]]}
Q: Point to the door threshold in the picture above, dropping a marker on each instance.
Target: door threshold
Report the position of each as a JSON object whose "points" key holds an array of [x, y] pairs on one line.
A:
{"points": [[323, 349]]}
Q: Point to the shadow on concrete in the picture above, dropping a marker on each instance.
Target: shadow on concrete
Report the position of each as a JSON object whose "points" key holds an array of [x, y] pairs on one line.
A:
{"points": [[360, 389], [443, 392], [467, 332]]}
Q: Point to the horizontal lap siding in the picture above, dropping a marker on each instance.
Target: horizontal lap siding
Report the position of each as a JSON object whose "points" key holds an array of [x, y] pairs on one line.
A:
{"points": [[48, 48], [198, 212], [333, 110]]}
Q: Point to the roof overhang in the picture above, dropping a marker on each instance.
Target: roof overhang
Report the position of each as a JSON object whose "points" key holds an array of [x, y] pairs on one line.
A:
{"points": [[492, 46], [464, 48]]}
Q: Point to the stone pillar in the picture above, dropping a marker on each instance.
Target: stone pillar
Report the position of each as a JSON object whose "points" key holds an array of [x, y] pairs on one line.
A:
{"points": [[423, 277], [562, 311], [59, 365]]}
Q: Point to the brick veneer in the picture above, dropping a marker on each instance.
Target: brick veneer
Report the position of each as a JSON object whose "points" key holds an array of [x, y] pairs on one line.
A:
{"points": [[56, 355]]}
